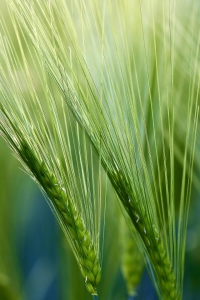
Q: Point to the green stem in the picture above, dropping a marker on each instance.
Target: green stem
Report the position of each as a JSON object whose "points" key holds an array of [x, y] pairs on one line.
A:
{"points": [[95, 297]]}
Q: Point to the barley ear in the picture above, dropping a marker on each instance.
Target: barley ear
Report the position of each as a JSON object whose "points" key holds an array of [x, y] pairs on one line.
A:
{"points": [[73, 222], [150, 236], [156, 253], [132, 263]]}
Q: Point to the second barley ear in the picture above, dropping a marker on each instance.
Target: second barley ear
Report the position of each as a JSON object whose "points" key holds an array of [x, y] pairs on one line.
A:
{"points": [[132, 262]]}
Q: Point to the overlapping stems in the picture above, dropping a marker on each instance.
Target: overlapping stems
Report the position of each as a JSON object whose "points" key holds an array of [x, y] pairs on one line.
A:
{"points": [[118, 82], [55, 153], [186, 75]]}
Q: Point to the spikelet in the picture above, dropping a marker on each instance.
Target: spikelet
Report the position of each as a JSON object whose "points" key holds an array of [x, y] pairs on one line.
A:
{"points": [[72, 220]]}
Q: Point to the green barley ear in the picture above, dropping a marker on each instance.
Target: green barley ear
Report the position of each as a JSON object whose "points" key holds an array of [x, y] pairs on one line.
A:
{"points": [[63, 205], [132, 263], [72, 220], [55, 153], [60, 193]]}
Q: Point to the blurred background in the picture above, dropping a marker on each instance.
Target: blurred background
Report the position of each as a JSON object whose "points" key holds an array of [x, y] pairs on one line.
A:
{"points": [[36, 262]]}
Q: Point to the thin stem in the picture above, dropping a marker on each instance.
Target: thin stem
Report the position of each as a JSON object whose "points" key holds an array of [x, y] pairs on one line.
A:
{"points": [[95, 297]]}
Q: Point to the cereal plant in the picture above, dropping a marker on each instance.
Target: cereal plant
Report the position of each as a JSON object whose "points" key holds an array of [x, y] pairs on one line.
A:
{"points": [[116, 82]]}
